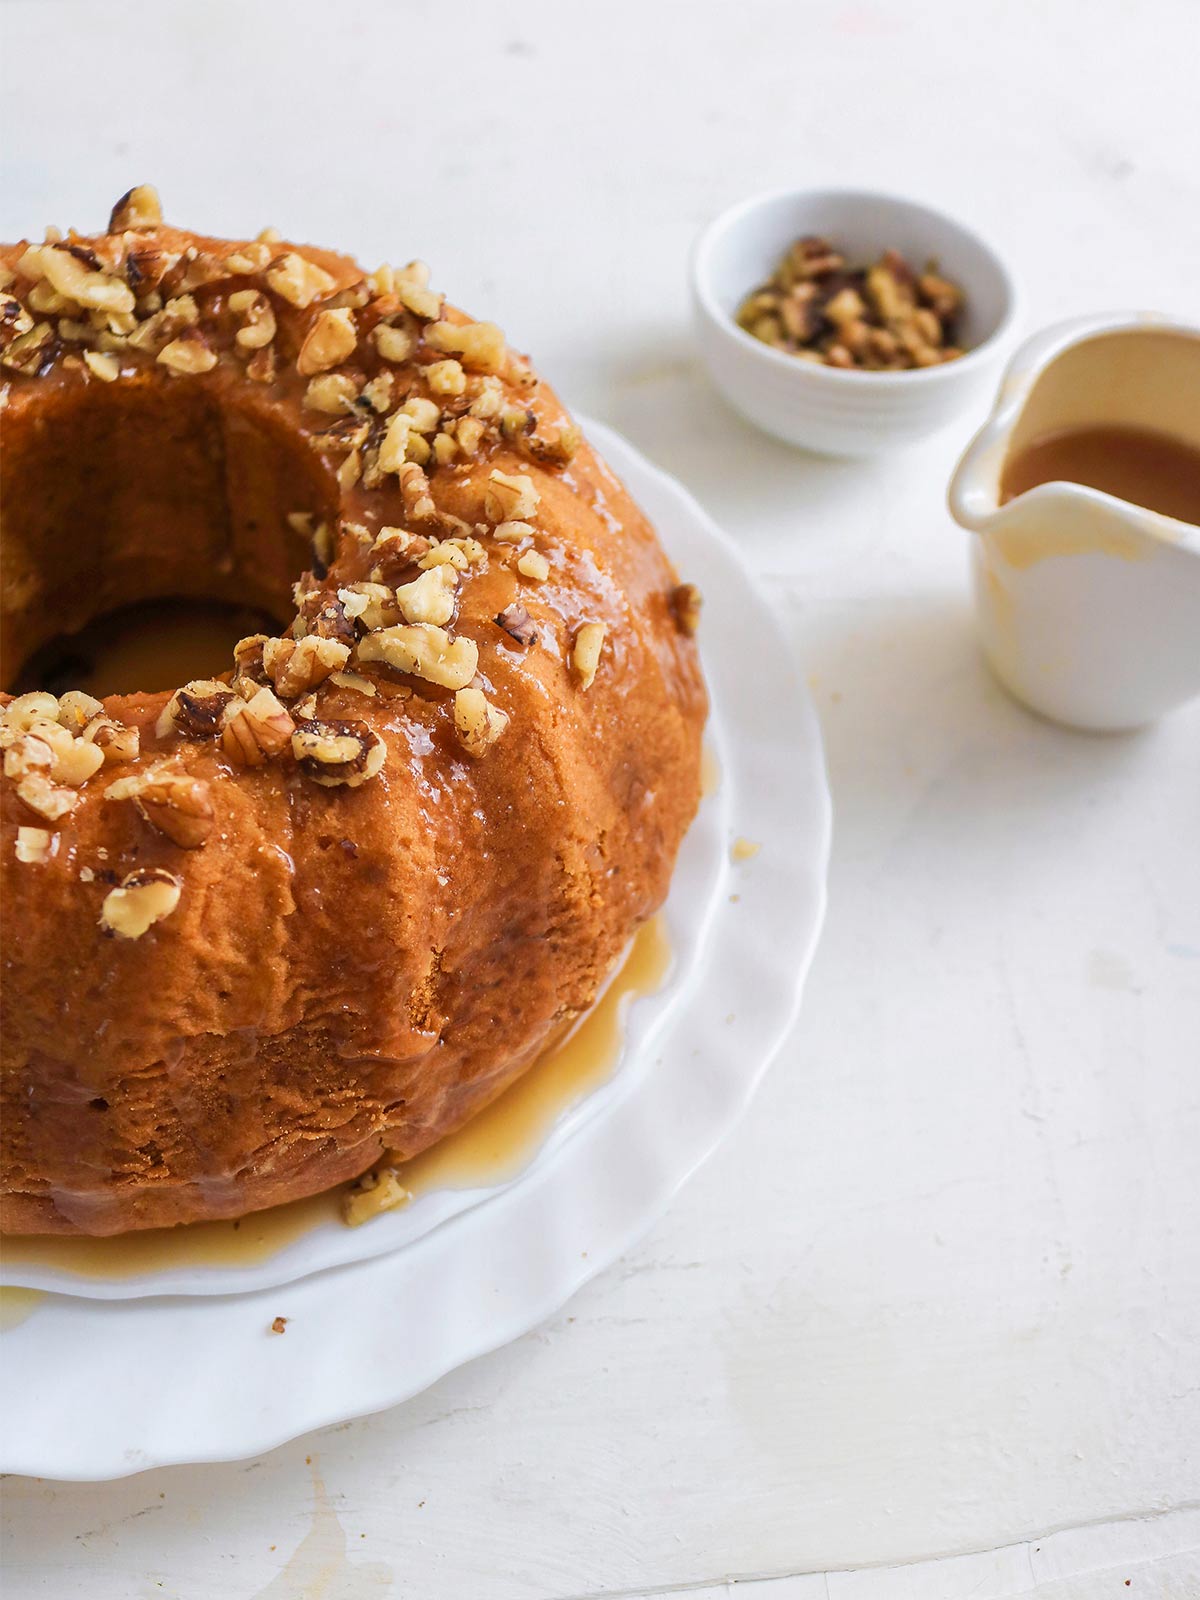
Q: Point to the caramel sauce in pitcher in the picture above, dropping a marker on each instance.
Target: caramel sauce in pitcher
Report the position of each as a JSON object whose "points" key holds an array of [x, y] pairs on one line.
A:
{"points": [[493, 1146], [1142, 468]]}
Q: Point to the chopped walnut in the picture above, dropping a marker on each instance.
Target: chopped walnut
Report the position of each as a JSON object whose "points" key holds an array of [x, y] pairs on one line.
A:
{"points": [[35, 846], [468, 433], [139, 207], [53, 750], [324, 615], [331, 339], [258, 318], [395, 344], [558, 446], [249, 259], [102, 364], [456, 552], [299, 281], [37, 706], [509, 496], [374, 604], [487, 398], [422, 302], [338, 754], [477, 722], [393, 449], [585, 651], [685, 601], [518, 624], [114, 740], [47, 799], [532, 564], [172, 320], [295, 666], [249, 673], [354, 681], [176, 805], [880, 318], [14, 318], [74, 280], [378, 393], [394, 550], [257, 729], [189, 354], [195, 710], [375, 1192], [446, 377], [414, 490], [513, 532], [26, 352], [479, 345], [429, 598], [142, 899], [423, 414], [424, 651]]}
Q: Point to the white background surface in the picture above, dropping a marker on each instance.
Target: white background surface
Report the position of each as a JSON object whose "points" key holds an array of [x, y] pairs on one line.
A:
{"points": [[940, 1291]]}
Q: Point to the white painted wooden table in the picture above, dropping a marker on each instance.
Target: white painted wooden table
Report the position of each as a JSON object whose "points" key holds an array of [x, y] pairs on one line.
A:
{"points": [[940, 1292]]}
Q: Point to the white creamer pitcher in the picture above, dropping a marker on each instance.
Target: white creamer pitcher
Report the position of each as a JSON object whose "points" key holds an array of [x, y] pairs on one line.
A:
{"points": [[1088, 606]]}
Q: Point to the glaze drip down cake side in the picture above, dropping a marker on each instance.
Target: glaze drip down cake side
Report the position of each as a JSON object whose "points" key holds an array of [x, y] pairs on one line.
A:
{"points": [[331, 901]]}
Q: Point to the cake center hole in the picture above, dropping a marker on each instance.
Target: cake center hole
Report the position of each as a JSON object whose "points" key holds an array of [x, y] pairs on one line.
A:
{"points": [[144, 648]]}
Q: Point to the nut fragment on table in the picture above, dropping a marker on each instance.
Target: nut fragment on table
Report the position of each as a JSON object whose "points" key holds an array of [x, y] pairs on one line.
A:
{"points": [[886, 317]]}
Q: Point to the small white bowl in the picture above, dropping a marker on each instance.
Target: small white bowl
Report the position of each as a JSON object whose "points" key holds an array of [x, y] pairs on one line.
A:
{"points": [[836, 411]]}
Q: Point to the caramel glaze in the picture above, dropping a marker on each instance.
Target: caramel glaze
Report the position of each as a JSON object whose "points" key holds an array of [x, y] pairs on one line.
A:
{"points": [[348, 970]]}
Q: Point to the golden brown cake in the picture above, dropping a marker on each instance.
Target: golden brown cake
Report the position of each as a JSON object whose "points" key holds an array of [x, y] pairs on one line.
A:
{"points": [[259, 930]]}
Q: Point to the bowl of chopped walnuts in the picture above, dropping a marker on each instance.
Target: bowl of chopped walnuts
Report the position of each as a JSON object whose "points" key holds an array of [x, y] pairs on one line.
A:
{"points": [[846, 321]]}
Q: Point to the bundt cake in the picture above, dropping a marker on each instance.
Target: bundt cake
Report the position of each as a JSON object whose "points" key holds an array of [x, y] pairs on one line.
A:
{"points": [[258, 930]]}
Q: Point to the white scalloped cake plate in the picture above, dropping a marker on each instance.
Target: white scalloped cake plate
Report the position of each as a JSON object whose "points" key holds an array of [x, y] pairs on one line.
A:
{"points": [[94, 1388]]}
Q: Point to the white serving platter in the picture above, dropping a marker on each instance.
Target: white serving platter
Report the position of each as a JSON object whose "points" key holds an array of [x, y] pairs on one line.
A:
{"points": [[117, 1377]]}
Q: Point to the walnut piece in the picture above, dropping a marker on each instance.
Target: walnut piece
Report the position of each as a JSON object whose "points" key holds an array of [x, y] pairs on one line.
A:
{"points": [[395, 344], [142, 899], [295, 666], [47, 799], [175, 804], [256, 730], [139, 207], [509, 496], [446, 377], [479, 345], [424, 651], [477, 722], [299, 281], [336, 754], [34, 846], [685, 601], [36, 706], [114, 740], [375, 1192], [189, 354], [518, 624], [585, 651], [429, 598], [330, 340], [102, 364], [533, 564], [195, 711], [258, 318]]}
